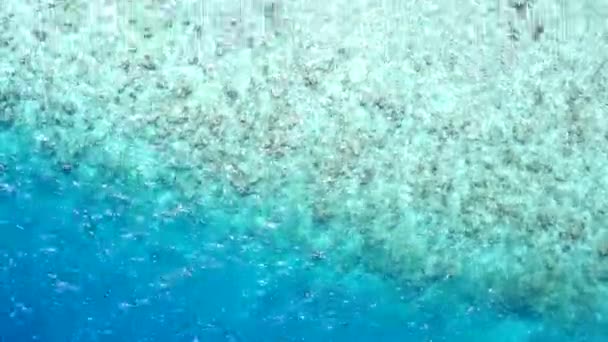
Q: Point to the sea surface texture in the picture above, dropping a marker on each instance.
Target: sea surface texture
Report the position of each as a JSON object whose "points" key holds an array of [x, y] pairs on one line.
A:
{"points": [[304, 170]]}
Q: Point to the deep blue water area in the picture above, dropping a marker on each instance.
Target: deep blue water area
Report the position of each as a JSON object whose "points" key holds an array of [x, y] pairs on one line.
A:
{"points": [[101, 261]]}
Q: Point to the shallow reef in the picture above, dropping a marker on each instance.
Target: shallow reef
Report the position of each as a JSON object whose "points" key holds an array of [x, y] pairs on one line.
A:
{"points": [[429, 144]]}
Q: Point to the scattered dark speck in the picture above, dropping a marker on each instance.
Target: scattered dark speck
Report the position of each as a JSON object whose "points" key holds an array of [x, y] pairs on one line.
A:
{"points": [[232, 94], [67, 168], [270, 10], [69, 108], [538, 31], [513, 33], [148, 64], [125, 66], [521, 7], [250, 42], [198, 30], [40, 35], [184, 92], [147, 33]]}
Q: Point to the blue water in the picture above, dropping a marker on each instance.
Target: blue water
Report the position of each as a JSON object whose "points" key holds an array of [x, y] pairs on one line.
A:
{"points": [[98, 260]]}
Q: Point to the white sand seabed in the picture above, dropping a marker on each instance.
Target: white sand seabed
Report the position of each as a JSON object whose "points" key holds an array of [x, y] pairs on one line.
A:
{"points": [[429, 141]]}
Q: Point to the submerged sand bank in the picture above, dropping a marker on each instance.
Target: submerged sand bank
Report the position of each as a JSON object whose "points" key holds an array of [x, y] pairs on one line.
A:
{"points": [[425, 142]]}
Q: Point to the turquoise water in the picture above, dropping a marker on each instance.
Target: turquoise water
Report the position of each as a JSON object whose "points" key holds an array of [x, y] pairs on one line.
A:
{"points": [[258, 170], [98, 261]]}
